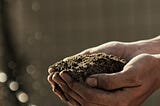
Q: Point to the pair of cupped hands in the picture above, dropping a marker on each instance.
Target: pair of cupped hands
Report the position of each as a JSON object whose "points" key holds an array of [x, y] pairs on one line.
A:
{"points": [[130, 87]]}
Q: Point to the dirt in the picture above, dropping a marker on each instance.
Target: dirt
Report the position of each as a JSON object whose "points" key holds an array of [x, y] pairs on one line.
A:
{"points": [[81, 66]]}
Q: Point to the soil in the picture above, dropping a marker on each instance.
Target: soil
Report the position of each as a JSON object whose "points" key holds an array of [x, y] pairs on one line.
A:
{"points": [[81, 66]]}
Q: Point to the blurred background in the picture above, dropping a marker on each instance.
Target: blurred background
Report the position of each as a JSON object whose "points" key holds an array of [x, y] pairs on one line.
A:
{"points": [[36, 33]]}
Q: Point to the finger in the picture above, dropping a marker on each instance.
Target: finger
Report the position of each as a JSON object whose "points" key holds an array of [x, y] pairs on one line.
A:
{"points": [[71, 94], [49, 78], [88, 94], [73, 85], [57, 81], [66, 89], [127, 78], [52, 83], [72, 101], [51, 70], [60, 95], [55, 88]]}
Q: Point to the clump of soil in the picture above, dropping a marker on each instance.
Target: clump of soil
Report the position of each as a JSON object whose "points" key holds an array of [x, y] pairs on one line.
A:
{"points": [[81, 66]]}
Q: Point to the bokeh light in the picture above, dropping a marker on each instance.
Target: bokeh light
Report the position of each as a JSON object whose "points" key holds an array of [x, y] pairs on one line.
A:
{"points": [[31, 69], [3, 77], [36, 6], [38, 35], [13, 86], [22, 97]]}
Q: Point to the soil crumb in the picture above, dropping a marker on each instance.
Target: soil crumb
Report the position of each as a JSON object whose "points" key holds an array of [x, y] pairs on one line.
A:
{"points": [[81, 66]]}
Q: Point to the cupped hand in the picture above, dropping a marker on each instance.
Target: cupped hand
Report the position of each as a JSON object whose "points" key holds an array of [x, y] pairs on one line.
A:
{"points": [[124, 50], [137, 81], [114, 47], [121, 49]]}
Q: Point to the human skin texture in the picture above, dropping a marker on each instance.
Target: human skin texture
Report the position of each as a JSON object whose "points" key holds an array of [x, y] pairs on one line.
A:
{"points": [[132, 86]]}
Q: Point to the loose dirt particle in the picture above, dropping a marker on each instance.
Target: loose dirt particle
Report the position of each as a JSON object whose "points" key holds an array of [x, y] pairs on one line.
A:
{"points": [[81, 66]]}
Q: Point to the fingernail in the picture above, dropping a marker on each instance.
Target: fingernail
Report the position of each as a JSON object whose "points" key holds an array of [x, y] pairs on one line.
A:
{"points": [[50, 70], [65, 75], [54, 75], [92, 82]]}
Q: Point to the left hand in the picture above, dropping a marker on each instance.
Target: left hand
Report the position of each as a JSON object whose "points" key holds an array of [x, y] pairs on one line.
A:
{"points": [[138, 80]]}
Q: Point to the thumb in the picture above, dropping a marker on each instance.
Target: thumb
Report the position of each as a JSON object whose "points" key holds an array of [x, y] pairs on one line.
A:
{"points": [[113, 81]]}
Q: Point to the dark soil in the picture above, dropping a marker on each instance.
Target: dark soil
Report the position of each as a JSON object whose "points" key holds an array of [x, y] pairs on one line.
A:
{"points": [[81, 66]]}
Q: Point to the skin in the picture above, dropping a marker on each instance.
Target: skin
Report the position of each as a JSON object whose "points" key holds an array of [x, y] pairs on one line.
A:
{"points": [[132, 86]]}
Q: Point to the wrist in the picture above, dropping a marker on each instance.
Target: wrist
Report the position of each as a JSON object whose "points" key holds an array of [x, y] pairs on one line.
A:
{"points": [[150, 46], [157, 62], [157, 69]]}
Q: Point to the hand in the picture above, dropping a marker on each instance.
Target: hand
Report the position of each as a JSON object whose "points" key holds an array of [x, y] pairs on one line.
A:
{"points": [[121, 49], [139, 78], [55, 87], [116, 48], [124, 50], [137, 81]]}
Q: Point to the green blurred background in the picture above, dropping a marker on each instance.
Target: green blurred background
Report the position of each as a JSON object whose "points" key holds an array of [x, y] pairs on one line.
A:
{"points": [[45, 31]]}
